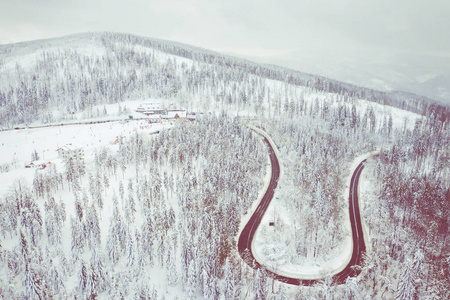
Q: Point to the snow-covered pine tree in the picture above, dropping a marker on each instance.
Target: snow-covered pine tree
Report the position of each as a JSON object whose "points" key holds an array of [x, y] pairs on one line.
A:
{"points": [[228, 288], [192, 281], [406, 289], [92, 283], [82, 278], [92, 225], [172, 277], [112, 242], [98, 264], [258, 286], [131, 256]]}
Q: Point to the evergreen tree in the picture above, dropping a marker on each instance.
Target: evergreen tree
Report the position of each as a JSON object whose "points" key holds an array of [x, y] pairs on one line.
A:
{"points": [[92, 283], [112, 243], [406, 289], [228, 290], [34, 156], [35, 285], [172, 277], [82, 278], [130, 251], [258, 286], [98, 266], [281, 293], [192, 281]]}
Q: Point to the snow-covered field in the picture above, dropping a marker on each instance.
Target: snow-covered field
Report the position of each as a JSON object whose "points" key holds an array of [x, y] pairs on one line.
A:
{"points": [[17, 146]]}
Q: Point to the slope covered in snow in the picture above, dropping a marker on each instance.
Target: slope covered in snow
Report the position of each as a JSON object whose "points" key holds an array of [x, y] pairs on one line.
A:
{"points": [[418, 74], [169, 205], [49, 80]]}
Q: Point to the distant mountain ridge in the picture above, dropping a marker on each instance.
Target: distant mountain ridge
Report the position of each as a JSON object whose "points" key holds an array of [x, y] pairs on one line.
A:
{"points": [[424, 75]]}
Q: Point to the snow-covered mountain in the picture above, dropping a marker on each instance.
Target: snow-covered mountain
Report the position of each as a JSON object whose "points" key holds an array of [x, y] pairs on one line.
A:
{"points": [[49, 80], [144, 212], [424, 75]]}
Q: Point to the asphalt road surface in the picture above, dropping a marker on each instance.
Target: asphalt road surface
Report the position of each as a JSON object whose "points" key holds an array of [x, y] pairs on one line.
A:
{"points": [[248, 233]]}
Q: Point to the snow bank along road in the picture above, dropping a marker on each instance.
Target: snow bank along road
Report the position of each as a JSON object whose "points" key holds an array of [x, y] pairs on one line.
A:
{"points": [[247, 234]]}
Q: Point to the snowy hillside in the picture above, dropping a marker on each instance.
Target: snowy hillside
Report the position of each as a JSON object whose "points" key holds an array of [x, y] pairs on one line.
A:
{"points": [[422, 75], [99, 201], [49, 80]]}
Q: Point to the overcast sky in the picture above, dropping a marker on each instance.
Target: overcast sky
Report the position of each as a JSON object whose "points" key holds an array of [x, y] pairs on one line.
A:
{"points": [[244, 26]]}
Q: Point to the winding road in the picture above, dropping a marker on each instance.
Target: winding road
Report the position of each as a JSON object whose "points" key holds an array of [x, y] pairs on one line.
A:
{"points": [[249, 230]]}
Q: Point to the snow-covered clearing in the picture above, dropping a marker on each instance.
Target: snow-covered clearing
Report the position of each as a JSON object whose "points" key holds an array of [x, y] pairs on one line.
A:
{"points": [[17, 146]]}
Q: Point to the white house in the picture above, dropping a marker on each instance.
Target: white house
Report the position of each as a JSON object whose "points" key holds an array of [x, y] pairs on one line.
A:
{"points": [[70, 151], [150, 108], [40, 164]]}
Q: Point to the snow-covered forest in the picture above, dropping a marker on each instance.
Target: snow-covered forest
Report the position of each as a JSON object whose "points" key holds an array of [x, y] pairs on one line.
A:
{"points": [[158, 216], [170, 204], [50, 80]]}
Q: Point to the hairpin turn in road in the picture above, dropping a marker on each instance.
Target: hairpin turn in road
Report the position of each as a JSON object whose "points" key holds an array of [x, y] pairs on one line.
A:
{"points": [[248, 233]]}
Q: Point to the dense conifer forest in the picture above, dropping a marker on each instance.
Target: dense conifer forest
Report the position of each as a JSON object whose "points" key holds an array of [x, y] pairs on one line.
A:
{"points": [[158, 217]]}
